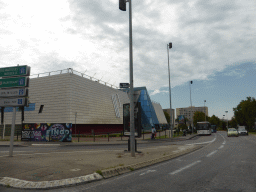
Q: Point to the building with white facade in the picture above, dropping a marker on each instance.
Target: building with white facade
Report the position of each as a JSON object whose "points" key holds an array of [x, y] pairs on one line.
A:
{"points": [[188, 112]]}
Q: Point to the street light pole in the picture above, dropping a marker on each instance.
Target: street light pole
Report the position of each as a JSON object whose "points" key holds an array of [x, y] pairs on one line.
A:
{"points": [[169, 46], [204, 110], [122, 6], [191, 106], [227, 118]]}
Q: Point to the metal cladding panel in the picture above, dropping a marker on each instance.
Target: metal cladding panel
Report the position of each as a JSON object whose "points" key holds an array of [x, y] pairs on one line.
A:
{"points": [[63, 95], [159, 113], [93, 102]]}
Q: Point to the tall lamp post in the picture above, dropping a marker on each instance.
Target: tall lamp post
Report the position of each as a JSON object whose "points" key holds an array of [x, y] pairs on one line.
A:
{"points": [[204, 110], [190, 83], [169, 46], [122, 7], [227, 118]]}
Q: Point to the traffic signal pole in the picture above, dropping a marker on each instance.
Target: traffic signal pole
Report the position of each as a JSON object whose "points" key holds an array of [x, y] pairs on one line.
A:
{"points": [[122, 6]]}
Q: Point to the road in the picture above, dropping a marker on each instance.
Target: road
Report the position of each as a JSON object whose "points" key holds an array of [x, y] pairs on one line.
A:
{"points": [[224, 164]]}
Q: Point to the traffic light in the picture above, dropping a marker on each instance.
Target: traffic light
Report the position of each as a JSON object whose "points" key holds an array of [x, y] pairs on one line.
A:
{"points": [[122, 5], [170, 45]]}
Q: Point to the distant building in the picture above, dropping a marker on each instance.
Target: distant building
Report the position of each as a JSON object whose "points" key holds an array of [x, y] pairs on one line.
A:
{"points": [[188, 112]]}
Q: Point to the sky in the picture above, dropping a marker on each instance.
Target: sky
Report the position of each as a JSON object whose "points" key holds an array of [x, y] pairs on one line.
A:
{"points": [[213, 45]]}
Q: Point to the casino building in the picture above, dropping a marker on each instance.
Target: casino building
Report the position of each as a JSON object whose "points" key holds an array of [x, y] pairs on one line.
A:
{"points": [[68, 96]]}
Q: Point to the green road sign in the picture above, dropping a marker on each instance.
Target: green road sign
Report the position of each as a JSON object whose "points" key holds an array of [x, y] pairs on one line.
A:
{"points": [[15, 71], [14, 82]]}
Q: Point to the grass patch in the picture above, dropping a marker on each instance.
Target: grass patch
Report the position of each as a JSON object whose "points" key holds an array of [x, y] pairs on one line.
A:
{"points": [[121, 164], [99, 172], [132, 169], [254, 133], [164, 154], [4, 139]]}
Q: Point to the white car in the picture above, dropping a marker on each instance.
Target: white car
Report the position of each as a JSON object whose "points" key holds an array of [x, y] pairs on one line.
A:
{"points": [[242, 130]]}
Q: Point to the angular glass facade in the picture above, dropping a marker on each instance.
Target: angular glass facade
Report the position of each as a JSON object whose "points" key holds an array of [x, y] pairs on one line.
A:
{"points": [[148, 114]]}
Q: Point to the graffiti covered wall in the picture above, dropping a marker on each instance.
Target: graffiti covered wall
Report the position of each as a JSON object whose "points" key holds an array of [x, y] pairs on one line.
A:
{"points": [[46, 131]]}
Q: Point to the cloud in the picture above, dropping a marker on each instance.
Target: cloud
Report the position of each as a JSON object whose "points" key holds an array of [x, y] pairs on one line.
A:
{"points": [[207, 37], [157, 91]]}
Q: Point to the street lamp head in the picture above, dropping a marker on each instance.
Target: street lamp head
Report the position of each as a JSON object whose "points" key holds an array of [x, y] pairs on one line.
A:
{"points": [[170, 45]]}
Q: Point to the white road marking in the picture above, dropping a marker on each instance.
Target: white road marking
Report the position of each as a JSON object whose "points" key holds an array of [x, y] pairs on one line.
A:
{"points": [[13, 151], [186, 167], [224, 142], [203, 142], [148, 171], [210, 154], [221, 146]]}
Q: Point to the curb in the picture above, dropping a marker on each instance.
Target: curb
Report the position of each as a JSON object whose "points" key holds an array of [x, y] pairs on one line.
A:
{"points": [[124, 169], [22, 184]]}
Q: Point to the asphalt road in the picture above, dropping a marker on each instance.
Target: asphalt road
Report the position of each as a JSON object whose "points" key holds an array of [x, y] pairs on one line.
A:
{"points": [[225, 164]]}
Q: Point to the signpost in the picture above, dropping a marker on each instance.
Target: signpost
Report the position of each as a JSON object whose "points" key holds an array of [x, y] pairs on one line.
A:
{"points": [[14, 82], [15, 71], [13, 93], [124, 85], [19, 92]]}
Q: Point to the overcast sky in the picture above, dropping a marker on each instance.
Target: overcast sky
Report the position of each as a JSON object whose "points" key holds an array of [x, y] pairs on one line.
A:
{"points": [[214, 45]]}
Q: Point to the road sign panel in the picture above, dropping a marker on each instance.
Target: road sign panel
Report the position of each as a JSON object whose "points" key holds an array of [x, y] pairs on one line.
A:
{"points": [[17, 102], [14, 82], [15, 71], [18, 92], [124, 85]]}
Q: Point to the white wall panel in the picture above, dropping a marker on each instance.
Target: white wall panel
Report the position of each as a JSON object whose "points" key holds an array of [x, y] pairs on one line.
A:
{"points": [[65, 94]]}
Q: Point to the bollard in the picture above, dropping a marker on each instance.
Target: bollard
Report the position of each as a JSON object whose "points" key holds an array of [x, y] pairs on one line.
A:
{"points": [[159, 134], [108, 137], [165, 134], [17, 135], [93, 137], [78, 135], [122, 136]]}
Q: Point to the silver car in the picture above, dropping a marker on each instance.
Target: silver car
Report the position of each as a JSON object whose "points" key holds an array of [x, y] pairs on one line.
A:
{"points": [[242, 131]]}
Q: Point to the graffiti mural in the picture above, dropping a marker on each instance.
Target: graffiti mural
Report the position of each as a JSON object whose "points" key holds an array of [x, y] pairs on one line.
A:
{"points": [[47, 132]]}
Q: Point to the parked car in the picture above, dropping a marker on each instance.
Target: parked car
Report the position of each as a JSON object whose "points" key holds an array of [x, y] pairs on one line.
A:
{"points": [[242, 130], [232, 132]]}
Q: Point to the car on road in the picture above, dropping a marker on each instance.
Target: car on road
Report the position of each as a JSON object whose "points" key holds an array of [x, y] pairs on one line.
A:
{"points": [[242, 130], [232, 132]]}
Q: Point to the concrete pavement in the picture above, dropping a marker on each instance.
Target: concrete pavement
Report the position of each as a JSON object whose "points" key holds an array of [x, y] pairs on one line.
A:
{"points": [[63, 168]]}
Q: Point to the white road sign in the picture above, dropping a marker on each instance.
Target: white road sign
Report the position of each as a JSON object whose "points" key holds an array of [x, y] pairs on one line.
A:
{"points": [[17, 102], [19, 92]]}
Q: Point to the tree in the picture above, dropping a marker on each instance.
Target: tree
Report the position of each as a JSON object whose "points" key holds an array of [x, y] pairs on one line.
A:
{"points": [[214, 120], [232, 123], [167, 116], [245, 112], [198, 117]]}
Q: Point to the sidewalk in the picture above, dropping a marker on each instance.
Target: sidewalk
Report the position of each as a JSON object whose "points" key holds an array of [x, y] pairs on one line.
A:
{"points": [[58, 169], [101, 140]]}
